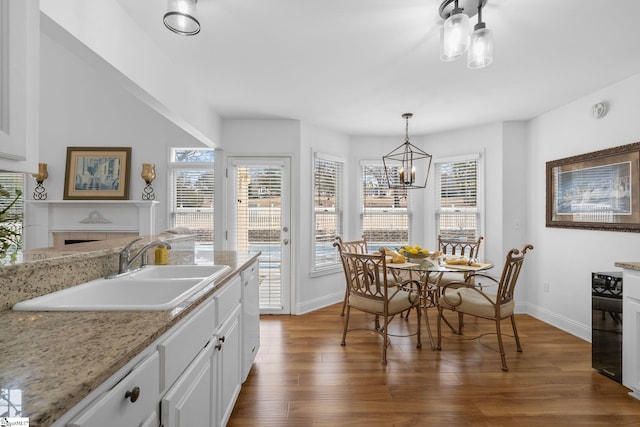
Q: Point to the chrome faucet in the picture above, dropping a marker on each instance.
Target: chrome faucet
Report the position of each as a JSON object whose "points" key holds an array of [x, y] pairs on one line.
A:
{"points": [[125, 255]]}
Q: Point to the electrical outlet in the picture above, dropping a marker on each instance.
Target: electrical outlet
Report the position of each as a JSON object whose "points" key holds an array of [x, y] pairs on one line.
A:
{"points": [[546, 286]]}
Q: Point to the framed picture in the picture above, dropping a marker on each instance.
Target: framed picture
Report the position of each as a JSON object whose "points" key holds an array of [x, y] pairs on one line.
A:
{"points": [[596, 191], [97, 173]]}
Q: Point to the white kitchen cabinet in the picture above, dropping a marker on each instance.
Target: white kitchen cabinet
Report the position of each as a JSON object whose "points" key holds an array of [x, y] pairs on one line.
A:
{"points": [[191, 376], [184, 342], [19, 87], [191, 401], [250, 317], [631, 331], [129, 403], [230, 349]]}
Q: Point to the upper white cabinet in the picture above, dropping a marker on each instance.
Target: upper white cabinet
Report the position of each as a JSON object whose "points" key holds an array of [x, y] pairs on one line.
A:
{"points": [[19, 84]]}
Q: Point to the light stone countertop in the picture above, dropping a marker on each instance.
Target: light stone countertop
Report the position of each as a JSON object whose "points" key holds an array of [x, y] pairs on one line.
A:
{"points": [[55, 359], [628, 265]]}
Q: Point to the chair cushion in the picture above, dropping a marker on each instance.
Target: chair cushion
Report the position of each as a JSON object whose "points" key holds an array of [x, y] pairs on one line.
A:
{"points": [[470, 301], [401, 301], [446, 278]]}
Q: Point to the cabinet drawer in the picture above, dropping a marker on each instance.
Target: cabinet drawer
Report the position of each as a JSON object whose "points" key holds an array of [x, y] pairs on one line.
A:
{"points": [[190, 401], [115, 407], [179, 349], [228, 299]]}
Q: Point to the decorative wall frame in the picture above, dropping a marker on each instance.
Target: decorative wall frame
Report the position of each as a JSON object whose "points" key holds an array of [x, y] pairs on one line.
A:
{"points": [[97, 173], [596, 191]]}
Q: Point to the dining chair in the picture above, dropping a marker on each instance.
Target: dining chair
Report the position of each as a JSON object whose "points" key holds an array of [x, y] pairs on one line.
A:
{"points": [[467, 298], [369, 291], [462, 247], [354, 246]]}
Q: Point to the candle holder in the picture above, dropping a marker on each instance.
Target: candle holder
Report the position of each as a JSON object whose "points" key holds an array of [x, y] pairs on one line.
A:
{"points": [[148, 174], [40, 193]]}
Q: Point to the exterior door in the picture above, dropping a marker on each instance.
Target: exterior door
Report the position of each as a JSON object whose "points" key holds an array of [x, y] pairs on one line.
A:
{"points": [[259, 221]]}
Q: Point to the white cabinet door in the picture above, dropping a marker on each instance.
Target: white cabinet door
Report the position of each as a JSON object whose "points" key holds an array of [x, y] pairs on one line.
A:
{"points": [[19, 85], [189, 402], [130, 403], [250, 317], [229, 365], [631, 331]]}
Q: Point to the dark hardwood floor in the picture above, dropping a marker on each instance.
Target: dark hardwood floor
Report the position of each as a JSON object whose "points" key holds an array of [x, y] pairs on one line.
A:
{"points": [[304, 377]]}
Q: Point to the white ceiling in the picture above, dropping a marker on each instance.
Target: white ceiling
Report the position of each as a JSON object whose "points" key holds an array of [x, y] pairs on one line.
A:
{"points": [[355, 66]]}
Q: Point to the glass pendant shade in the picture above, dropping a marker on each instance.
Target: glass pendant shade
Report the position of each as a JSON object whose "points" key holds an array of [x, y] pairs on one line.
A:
{"points": [[480, 47], [455, 36], [180, 17]]}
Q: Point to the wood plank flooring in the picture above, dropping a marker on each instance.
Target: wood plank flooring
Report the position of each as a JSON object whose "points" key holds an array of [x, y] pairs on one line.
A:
{"points": [[304, 377]]}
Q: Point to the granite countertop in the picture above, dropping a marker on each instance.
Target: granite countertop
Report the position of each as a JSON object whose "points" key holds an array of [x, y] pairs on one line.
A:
{"points": [[52, 360], [628, 265]]}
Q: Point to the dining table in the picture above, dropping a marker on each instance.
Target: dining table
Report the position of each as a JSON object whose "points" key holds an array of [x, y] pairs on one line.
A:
{"points": [[429, 271]]}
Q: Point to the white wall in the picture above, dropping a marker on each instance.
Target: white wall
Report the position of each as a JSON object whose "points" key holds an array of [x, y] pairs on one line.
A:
{"points": [[319, 291], [129, 58], [566, 257], [80, 108]]}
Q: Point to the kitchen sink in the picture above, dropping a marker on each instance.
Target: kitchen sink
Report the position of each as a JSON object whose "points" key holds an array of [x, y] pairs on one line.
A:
{"points": [[178, 271], [152, 288]]}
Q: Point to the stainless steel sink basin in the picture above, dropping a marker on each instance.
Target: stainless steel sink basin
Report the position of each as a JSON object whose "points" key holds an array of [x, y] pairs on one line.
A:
{"points": [[152, 288]]}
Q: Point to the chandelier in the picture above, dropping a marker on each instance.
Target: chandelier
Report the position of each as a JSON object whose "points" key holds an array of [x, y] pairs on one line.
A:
{"points": [[400, 164], [456, 36]]}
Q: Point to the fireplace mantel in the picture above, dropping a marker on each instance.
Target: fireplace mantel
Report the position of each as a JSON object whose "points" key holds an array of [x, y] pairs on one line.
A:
{"points": [[48, 217]]}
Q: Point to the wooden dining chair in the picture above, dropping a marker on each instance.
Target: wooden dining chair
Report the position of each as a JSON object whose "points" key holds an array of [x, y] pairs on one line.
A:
{"points": [[354, 246], [467, 298], [369, 290]]}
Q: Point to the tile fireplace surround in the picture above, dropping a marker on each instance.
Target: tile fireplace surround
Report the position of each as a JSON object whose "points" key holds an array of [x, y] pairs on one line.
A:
{"points": [[51, 223]]}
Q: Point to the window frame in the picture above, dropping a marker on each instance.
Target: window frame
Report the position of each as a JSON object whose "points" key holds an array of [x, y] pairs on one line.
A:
{"points": [[173, 166], [335, 265], [479, 210], [410, 206]]}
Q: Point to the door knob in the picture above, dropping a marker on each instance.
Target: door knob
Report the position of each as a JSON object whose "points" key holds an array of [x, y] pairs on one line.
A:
{"points": [[285, 229], [285, 241]]}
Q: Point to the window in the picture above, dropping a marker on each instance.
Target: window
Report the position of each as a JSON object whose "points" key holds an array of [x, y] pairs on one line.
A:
{"points": [[386, 213], [11, 215], [327, 212], [457, 198], [192, 191]]}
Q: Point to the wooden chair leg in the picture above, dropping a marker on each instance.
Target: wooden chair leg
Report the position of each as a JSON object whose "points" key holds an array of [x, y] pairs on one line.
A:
{"points": [[385, 341], [460, 323], [501, 345], [419, 331], [439, 327], [344, 302], [515, 333], [346, 326]]}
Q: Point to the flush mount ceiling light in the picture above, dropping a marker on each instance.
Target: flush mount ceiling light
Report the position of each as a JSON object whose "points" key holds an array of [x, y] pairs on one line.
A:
{"points": [[180, 17], [455, 37], [402, 164]]}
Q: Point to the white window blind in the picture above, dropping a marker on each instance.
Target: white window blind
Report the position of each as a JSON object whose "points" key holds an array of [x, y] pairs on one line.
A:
{"points": [[258, 193], [457, 213], [386, 213], [192, 191], [327, 201]]}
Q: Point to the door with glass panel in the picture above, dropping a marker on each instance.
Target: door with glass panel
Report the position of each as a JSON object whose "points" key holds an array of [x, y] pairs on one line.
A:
{"points": [[258, 220]]}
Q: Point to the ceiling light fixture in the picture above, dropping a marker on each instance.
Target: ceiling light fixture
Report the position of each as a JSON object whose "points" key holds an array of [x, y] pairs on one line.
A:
{"points": [[180, 17], [400, 164], [455, 37]]}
